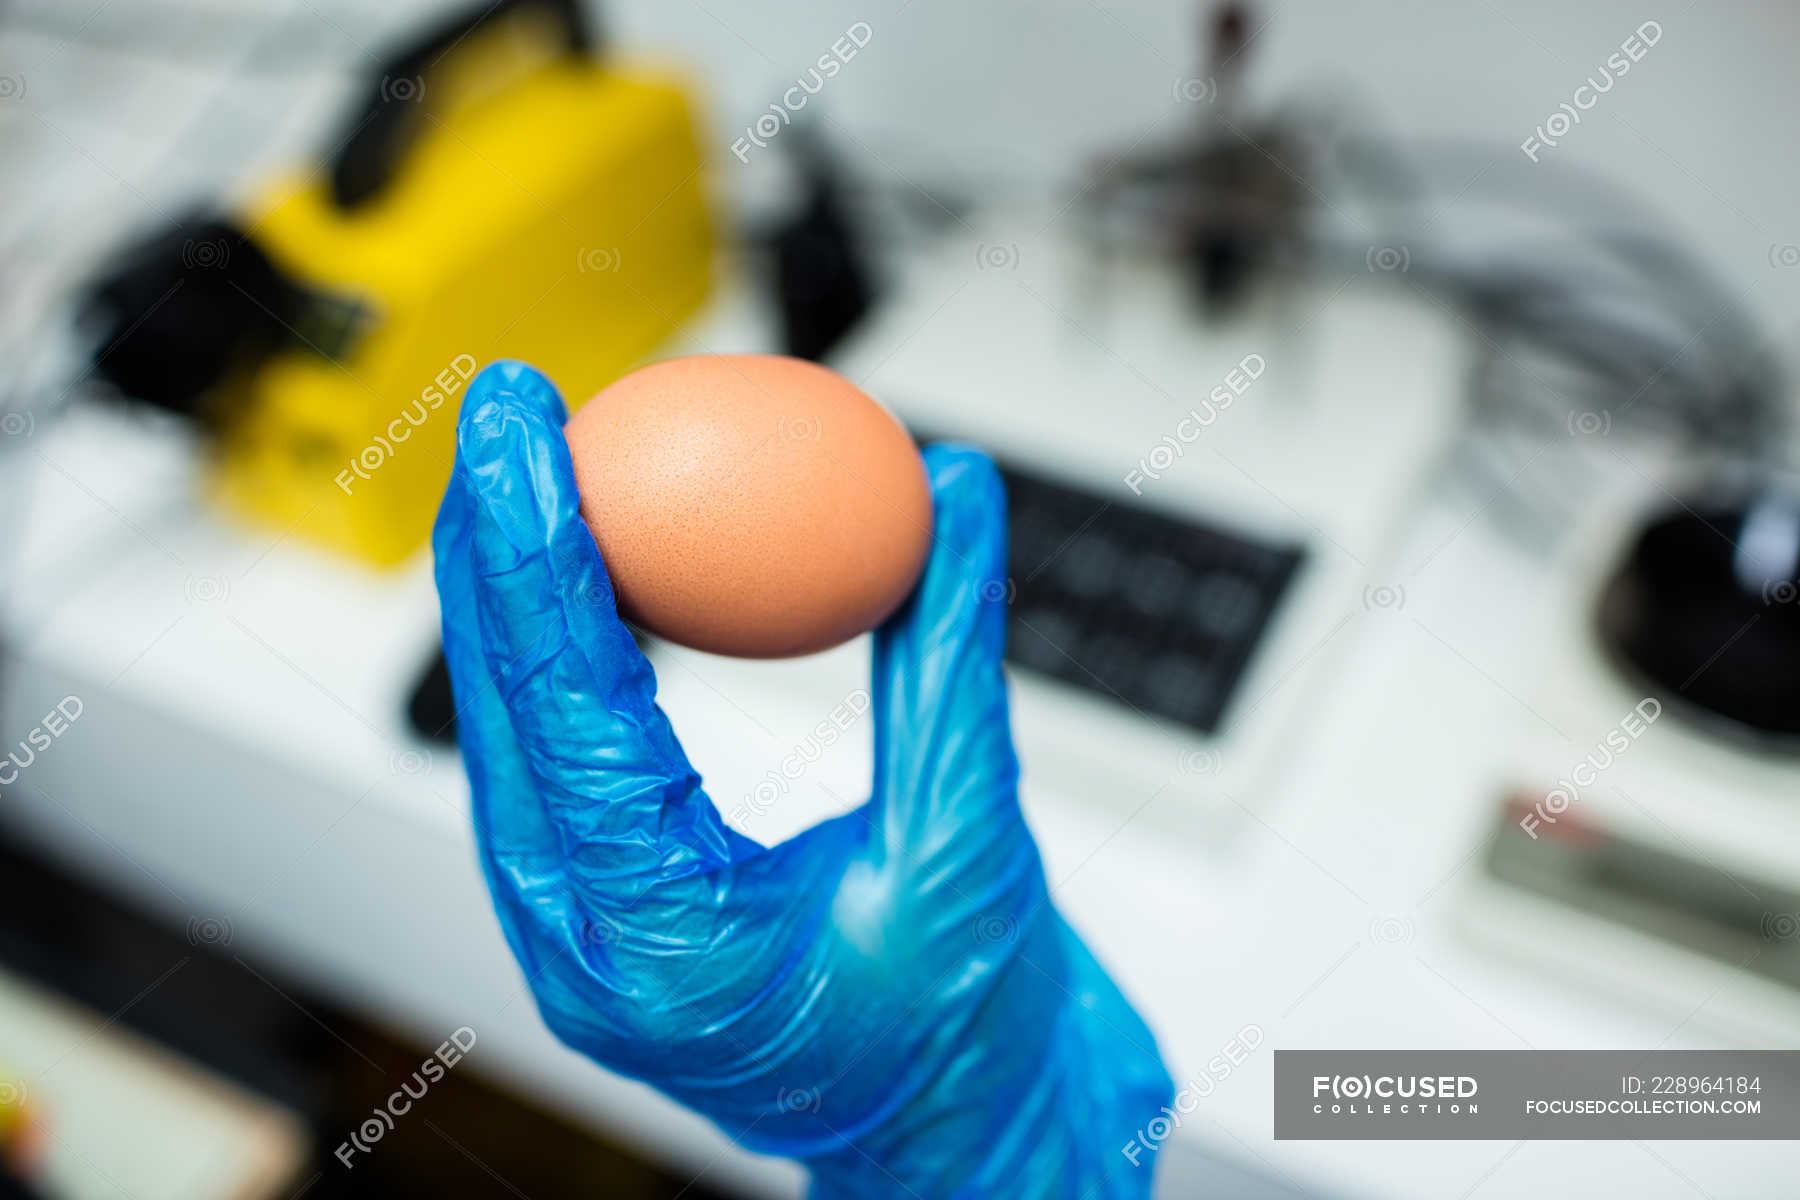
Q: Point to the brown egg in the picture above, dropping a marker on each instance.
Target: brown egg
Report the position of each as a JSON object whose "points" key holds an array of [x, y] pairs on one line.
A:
{"points": [[751, 504]]}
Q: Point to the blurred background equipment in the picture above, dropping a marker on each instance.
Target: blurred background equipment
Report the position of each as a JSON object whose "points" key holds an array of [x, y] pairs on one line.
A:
{"points": [[1702, 610], [1647, 886], [500, 191], [1226, 203], [1648, 815], [822, 280], [1366, 472]]}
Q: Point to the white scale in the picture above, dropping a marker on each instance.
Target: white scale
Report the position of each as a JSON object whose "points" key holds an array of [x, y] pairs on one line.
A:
{"points": [[1674, 878]]}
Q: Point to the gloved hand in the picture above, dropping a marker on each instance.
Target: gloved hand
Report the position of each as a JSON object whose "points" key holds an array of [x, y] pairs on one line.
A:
{"points": [[891, 997]]}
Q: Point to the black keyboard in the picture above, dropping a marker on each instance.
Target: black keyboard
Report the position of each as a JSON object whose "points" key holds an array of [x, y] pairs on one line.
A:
{"points": [[1159, 613]]}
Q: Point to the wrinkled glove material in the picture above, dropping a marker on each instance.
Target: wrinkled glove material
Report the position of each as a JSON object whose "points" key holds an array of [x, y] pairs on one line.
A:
{"points": [[891, 997]]}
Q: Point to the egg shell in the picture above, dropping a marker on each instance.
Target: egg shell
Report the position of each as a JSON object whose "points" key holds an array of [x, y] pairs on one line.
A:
{"points": [[751, 504]]}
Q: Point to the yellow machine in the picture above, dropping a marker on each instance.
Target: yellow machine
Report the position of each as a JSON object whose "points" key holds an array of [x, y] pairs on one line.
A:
{"points": [[505, 194]]}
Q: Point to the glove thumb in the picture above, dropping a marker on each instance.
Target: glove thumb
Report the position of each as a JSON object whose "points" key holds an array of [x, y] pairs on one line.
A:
{"points": [[944, 756]]}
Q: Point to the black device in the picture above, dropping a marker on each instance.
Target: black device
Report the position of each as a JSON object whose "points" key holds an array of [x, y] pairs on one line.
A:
{"points": [[177, 312], [1159, 613], [822, 280], [376, 135], [1705, 608]]}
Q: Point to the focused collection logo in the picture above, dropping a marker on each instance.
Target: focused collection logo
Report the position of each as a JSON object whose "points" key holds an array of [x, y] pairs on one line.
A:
{"points": [[1395, 1095]]}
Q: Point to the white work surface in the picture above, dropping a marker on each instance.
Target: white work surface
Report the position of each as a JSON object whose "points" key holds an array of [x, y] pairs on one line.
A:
{"points": [[242, 755]]}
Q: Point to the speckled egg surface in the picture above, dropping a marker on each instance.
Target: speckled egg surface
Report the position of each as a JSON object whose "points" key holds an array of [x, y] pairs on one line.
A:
{"points": [[750, 504]]}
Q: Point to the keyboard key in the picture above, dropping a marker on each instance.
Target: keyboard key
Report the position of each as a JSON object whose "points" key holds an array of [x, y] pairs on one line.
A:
{"points": [[1154, 612]]}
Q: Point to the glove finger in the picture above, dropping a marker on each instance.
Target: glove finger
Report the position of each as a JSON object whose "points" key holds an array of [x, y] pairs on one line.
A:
{"points": [[580, 695], [521, 852], [944, 756]]}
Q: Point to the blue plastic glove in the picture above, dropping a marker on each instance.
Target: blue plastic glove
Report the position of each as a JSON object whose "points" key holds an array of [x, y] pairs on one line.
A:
{"points": [[890, 997]]}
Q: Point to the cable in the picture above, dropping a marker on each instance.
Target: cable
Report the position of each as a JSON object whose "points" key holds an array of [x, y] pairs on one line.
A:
{"points": [[1641, 329], [1591, 317]]}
